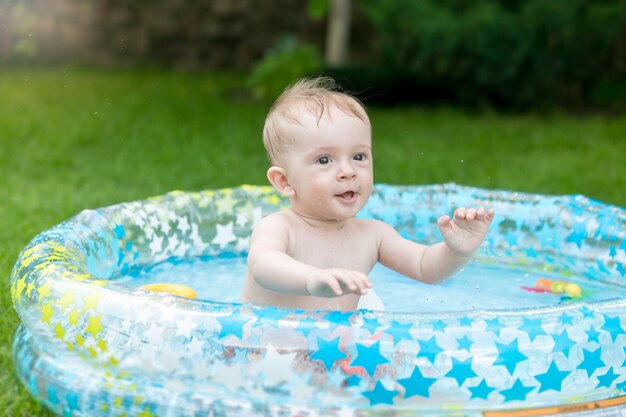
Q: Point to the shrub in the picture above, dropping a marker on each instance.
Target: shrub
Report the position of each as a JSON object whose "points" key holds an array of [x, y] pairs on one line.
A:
{"points": [[287, 61], [509, 53]]}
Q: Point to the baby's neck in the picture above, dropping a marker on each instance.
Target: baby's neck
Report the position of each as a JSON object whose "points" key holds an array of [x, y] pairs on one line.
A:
{"points": [[331, 225]]}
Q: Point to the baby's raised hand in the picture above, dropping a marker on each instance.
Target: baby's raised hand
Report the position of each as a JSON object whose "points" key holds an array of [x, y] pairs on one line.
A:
{"points": [[465, 232], [336, 282]]}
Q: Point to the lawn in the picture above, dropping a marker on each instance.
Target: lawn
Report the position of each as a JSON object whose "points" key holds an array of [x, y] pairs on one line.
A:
{"points": [[76, 139]]}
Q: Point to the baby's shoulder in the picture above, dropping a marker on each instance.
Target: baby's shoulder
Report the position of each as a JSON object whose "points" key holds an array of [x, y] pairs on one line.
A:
{"points": [[279, 221], [276, 219], [273, 227]]}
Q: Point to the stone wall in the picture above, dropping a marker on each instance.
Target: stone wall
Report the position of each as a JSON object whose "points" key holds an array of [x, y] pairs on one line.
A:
{"points": [[177, 33]]}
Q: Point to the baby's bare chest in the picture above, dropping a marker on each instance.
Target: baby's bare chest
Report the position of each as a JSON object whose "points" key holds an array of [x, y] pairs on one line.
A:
{"points": [[356, 250]]}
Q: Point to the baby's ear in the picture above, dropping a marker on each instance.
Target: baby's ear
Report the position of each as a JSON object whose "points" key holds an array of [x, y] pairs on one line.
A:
{"points": [[278, 178]]}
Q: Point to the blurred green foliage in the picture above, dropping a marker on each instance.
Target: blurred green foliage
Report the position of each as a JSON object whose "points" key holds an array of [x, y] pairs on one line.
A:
{"points": [[317, 8], [287, 61], [506, 53]]}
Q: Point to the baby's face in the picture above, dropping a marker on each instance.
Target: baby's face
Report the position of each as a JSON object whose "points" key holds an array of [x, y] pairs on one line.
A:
{"points": [[330, 165]]}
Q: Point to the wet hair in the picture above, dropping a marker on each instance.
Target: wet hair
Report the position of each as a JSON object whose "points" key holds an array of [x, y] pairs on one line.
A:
{"points": [[314, 95]]}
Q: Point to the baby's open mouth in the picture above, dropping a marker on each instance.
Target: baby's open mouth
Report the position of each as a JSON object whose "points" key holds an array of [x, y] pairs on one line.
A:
{"points": [[347, 195]]}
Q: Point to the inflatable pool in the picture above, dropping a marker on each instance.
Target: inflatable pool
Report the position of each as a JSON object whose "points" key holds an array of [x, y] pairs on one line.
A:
{"points": [[504, 335]]}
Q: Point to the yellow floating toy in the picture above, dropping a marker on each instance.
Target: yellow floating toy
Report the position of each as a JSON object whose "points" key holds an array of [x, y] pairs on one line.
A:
{"points": [[175, 289]]}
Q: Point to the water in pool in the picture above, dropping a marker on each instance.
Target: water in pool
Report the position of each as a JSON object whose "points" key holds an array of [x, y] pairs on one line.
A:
{"points": [[479, 285]]}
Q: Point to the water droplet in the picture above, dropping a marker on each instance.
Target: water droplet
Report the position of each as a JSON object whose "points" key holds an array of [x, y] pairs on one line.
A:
{"points": [[462, 161]]}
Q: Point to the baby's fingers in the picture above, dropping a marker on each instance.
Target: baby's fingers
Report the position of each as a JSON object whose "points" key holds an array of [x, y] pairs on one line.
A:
{"points": [[486, 216], [356, 282], [471, 214], [364, 283], [335, 287]]}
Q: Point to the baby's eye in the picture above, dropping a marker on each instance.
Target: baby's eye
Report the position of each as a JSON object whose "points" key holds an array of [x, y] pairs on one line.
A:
{"points": [[359, 157], [323, 160]]}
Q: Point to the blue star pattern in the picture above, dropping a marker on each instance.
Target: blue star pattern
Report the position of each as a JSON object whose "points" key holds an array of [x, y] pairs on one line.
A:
{"points": [[593, 335], [481, 390], [494, 326], [119, 231], [439, 325], [272, 316], [416, 384], [430, 348], [552, 378], [607, 379], [380, 394], [562, 343], [548, 237], [578, 235], [517, 392], [464, 343], [328, 352], [232, 325], [370, 325], [306, 326], [566, 319], [383, 360], [532, 327], [509, 355], [613, 328], [592, 361], [400, 331], [461, 370], [369, 357], [465, 321], [338, 318]]}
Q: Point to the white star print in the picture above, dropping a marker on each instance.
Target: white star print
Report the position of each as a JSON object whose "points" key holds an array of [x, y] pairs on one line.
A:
{"points": [[156, 245], [185, 327], [274, 366], [183, 224], [225, 235]]}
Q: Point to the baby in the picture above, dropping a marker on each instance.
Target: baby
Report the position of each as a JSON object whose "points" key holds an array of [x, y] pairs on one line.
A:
{"points": [[316, 254]]}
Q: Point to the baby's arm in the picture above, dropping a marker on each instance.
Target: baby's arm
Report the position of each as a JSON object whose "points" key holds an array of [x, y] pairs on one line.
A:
{"points": [[462, 236], [272, 268]]}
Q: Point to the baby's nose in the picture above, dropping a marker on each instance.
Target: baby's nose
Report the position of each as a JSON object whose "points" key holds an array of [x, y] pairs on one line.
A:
{"points": [[346, 171]]}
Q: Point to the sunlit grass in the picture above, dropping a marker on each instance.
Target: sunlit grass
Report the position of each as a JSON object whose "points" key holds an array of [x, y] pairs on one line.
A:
{"points": [[71, 140], [554, 154]]}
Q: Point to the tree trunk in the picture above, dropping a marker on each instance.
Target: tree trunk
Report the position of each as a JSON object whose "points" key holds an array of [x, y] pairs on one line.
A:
{"points": [[338, 33]]}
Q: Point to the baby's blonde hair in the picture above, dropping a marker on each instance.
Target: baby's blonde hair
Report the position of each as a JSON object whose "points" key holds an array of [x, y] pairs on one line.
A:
{"points": [[315, 95]]}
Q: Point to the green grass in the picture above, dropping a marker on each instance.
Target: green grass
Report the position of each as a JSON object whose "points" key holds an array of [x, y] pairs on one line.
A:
{"points": [[82, 139]]}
